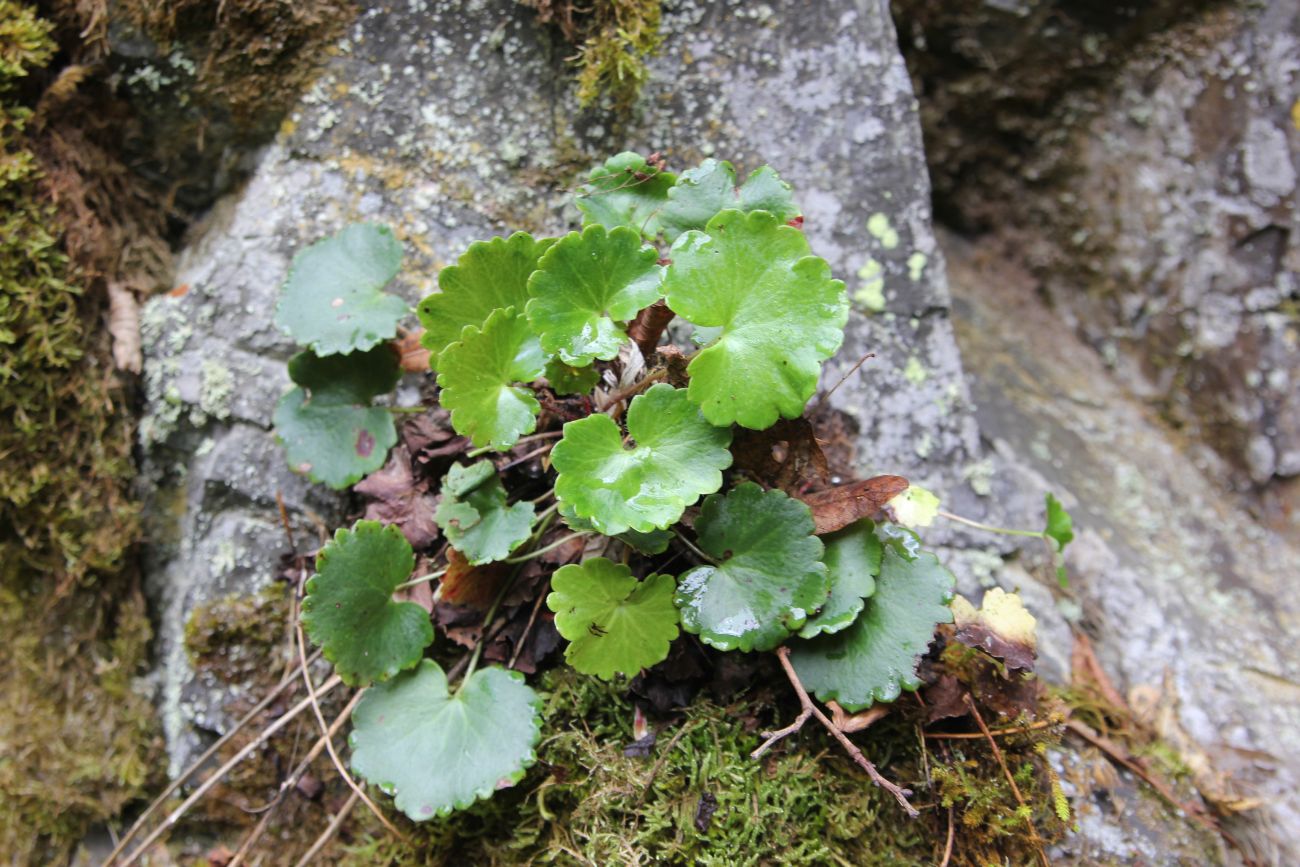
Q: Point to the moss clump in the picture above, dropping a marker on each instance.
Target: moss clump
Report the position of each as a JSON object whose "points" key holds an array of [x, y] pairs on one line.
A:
{"points": [[241, 640], [614, 38], [585, 802], [78, 741]]}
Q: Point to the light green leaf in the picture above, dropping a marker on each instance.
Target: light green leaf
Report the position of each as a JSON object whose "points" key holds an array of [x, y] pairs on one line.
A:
{"points": [[625, 191], [490, 275], [438, 751], [614, 623], [780, 313], [769, 577], [914, 507], [474, 517], [1060, 529], [333, 301], [701, 193], [328, 428], [480, 376], [654, 542], [349, 609], [875, 658], [585, 286], [678, 457], [1060, 526], [853, 557], [571, 380]]}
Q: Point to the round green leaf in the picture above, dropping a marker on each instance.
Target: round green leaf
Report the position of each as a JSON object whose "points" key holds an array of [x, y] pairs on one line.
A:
{"points": [[566, 379], [489, 276], [328, 428], [625, 191], [437, 751], [333, 301], [853, 558], [875, 658], [654, 542], [614, 623], [349, 609], [479, 376], [780, 313], [474, 517], [678, 457], [700, 193], [769, 577], [585, 286]]}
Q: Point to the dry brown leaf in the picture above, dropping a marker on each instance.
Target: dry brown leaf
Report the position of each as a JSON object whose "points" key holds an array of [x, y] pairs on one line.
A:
{"points": [[836, 508]]}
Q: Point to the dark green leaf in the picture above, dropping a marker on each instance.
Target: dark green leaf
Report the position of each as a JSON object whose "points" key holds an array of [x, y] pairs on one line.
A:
{"points": [[875, 658], [853, 557], [349, 609], [571, 380], [769, 576], [329, 430]]}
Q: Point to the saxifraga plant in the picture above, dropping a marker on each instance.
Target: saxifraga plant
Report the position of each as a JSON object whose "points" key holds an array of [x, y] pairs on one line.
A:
{"points": [[643, 474]]}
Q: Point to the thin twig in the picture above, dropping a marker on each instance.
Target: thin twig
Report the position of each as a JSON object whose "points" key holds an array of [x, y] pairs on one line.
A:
{"points": [[528, 439], [825, 397], [526, 458], [632, 390], [1011, 780], [216, 777], [770, 738], [547, 549], [290, 681], [329, 744], [661, 761], [947, 847], [330, 830], [291, 781], [690, 546], [900, 794], [997, 733], [528, 627]]}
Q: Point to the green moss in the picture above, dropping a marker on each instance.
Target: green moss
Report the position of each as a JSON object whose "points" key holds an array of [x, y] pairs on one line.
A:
{"points": [[241, 640], [79, 742], [614, 38]]}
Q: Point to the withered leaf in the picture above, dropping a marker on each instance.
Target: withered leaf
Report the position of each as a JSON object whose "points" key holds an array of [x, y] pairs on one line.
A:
{"points": [[1001, 627], [396, 497], [471, 586], [945, 699], [837, 507]]}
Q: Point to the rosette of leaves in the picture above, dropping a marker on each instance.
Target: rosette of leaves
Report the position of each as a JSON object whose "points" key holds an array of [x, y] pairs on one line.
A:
{"points": [[614, 623], [626, 191], [484, 378], [436, 750], [333, 300], [778, 312], [475, 517], [875, 658], [349, 609], [702, 192], [677, 457], [586, 286], [767, 577], [489, 276], [328, 428]]}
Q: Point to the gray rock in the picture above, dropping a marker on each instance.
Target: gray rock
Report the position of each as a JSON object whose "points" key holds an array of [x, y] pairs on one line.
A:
{"points": [[1189, 601]]}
